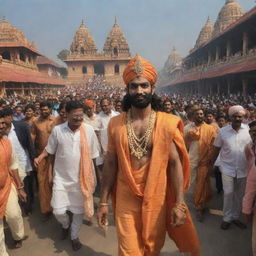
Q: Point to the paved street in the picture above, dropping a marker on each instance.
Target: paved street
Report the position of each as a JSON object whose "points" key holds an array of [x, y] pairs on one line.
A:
{"points": [[43, 239]]}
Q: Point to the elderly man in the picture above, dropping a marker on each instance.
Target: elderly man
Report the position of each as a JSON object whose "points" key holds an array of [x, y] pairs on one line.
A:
{"points": [[230, 144], [89, 115], [146, 169]]}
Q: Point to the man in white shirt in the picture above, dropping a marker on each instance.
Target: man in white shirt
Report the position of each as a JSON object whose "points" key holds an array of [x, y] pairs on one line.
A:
{"points": [[104, 117], [75, 146], [230, 144], [90, 117]]}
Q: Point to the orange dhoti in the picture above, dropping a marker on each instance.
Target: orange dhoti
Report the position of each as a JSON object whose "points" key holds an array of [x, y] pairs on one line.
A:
{"points": [[45, 190], [143, 199], [205, 135]]}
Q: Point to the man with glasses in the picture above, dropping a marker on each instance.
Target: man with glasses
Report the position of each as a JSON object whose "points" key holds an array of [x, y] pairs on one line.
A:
{"points": [[75, 146]]}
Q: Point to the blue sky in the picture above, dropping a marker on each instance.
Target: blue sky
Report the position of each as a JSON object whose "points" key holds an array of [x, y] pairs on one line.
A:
{"points": [[152, 27]]}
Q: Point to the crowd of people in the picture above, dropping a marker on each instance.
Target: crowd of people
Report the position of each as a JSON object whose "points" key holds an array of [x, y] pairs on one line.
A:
{"points": [[68, 142]]}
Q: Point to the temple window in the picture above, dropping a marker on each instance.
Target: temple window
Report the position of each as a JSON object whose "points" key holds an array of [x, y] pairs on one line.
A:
{"points": [[84, 70], [82, 50], [73, 68], [6, 55], [116, 69]]}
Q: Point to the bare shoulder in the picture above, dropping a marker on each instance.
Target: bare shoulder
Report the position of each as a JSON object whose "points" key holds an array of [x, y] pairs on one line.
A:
{"points": [[117, 121]]}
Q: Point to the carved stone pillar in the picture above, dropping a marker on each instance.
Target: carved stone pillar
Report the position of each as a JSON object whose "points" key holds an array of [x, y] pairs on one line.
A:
{"points": [[209, 57], [245, 43], [228, 53], [217, 56], [228, 86]]}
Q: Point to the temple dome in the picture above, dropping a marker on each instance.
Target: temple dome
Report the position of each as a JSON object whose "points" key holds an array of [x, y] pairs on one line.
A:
{"points": [[174, 60], [83, 42], [116, 43], [11, 35], [205, 33], [229, 13]]}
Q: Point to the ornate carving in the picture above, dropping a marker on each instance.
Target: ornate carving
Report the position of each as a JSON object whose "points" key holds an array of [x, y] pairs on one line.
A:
{"points": [[10, 34], [116, 43], [138, 66], [83, 42], [205, 33], [229, 13]]}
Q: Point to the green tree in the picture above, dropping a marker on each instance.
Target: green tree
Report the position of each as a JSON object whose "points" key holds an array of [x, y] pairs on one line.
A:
{"points": [[63, 54]]}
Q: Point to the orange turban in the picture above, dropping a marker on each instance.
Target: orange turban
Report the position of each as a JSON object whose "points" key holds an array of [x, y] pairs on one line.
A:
{"points": [[89, 103], [139, 66]]}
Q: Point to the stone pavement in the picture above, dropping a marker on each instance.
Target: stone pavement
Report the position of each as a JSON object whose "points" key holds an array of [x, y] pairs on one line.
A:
{"points": [[43, 238]]}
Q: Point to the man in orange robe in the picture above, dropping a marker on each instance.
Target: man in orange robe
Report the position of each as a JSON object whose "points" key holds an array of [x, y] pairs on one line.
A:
{"points": [[199, 138], [147, 182], [40, 132], [10, 187]]}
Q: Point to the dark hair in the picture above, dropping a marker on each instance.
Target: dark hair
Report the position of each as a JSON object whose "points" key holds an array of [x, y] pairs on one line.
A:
{"points": [[2, 102], [209, 112], [46, 103], [252, 124], [118, 101], [167, 100], [8, 111], [62, 105], [221, 116], [105, 98], [18, 106], [2, 114], [29, 106], [156, 103], [73, 104]]}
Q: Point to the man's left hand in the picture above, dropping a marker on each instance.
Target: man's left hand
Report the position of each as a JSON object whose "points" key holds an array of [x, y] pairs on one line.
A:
{"points": [[178, 217]]}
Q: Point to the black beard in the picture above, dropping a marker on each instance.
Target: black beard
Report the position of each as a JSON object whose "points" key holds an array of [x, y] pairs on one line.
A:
{"points": [[140, 103]]}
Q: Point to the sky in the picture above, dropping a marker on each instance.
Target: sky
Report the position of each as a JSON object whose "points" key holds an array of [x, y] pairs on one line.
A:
{"points": [[152, 27]]}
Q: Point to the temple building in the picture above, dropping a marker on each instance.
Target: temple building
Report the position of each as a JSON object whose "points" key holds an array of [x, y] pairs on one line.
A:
{"points": [[48, 66], [223, 60], [172, 67], [85, 62], [19, 72]]}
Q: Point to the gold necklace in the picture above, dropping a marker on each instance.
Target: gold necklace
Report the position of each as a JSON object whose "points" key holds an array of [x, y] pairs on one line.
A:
{"points": [[138, 146]]}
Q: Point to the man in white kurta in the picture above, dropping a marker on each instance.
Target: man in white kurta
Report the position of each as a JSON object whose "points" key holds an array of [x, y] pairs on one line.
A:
{"points": [[67, 194], [104, 117]]}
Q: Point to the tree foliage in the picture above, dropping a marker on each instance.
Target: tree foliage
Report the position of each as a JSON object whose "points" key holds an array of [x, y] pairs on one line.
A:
{"points": [[63, 54]]}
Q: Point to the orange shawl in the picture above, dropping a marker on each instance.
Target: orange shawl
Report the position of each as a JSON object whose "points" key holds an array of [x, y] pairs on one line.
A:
{"points": [[205, 136], [5, 178], [87, 180], [167, 128], [202, 193]]}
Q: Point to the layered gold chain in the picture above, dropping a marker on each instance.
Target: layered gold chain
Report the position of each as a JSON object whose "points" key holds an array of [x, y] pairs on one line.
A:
{"points": [[139, 146]]}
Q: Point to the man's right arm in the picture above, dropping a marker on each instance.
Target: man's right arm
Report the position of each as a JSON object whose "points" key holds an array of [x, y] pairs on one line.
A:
{"points": [[108, 181]]}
